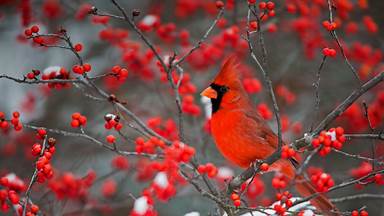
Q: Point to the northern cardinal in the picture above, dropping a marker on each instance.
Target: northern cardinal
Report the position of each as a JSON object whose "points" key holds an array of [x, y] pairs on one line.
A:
{"points": [[243, 136]]}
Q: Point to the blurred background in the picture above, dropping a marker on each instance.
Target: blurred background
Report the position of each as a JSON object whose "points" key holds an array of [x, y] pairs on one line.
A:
{"points": [[294, 39]]}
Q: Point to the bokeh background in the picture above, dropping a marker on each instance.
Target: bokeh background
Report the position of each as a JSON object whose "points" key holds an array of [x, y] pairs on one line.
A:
{"points": [[289, 65]]}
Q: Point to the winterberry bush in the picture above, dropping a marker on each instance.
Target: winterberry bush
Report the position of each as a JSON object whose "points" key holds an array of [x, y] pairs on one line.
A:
{"points": [[100, 111]]}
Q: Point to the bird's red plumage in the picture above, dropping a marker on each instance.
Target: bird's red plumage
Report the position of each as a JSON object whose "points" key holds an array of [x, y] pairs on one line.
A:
{"points": [[242, 136]]}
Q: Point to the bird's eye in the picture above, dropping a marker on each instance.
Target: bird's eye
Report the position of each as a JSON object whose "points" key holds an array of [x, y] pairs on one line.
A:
{"points": [[223, 89]]}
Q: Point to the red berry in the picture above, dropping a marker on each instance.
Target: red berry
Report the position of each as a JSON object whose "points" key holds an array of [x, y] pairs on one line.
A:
{"points": [[78, 47], [34, 208], [355, 213], [271, 13], [237, 203], [16, 114], [270, 5], [235, 196], [27, 32], [75, 123], [87, 67], [30, 75], [251, 1], [264, 167], [262, 5], [219, 4], [35, 29], [363, 213], [110, 138], [76, 115], [78, 69]]}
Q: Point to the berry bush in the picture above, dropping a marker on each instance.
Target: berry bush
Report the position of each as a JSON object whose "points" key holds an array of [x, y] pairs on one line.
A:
{"points": [[100, 110]]}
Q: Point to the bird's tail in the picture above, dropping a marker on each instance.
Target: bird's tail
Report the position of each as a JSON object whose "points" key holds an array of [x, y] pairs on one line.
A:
{"points": [[305, 189]]}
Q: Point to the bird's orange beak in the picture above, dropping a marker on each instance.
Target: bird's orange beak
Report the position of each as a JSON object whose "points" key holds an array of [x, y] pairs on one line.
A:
{"points": [[209, 93]]}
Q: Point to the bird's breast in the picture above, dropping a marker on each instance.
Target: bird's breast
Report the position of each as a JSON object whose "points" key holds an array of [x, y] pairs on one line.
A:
{"points": [[236, 137]]}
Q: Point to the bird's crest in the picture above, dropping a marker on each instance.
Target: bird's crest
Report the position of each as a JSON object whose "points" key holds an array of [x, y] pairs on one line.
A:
{"points": [[229, 74]]}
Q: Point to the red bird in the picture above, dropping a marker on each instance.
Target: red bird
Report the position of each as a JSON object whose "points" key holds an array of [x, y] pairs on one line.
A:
{"points": [[243, 136]]}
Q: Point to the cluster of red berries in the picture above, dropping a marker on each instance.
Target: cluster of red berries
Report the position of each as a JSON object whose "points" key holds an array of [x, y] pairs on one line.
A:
{"points": [[264, 111], [43, 165], [286, 94], [14, 121], [254, 188], [236, 199], [287, 152], [322, 181], [9, 194], [162, 187], [30, 31], [61, 74], [120, 73], [252, 85], [33, 74], [143, 206], [78, 120], [329, 52], [330, 26], [165, 128], [334, 137], [279, 181], [279, 209], [149, 23], [102, 20], [364, 169], [209, 168], [12, 196], [148, 146], [361, 213], [268, 6], [285, 198], [69, 186], [189, 107], [112, 121], [113, 35], [81, 69], [179, 152]]}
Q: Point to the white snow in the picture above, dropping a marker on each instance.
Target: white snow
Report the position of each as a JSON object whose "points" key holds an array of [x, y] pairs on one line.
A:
{"points": [[295, 208], [225, 172], [110, 115], [207, 106], [192, 214], [149, 19], [161, 180], [141, 205], [12, 177], [332, 135], [50, 69]]}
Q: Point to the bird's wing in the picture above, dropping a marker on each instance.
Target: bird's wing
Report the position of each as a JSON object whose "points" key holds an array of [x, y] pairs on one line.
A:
{"points": [[262, 130]]}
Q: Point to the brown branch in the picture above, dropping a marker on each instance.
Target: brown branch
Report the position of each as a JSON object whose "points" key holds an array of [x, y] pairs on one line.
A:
{"points": [[342, 185], [354, 156], [316, 85], [334, 36], [267, 79], [357, 196]]}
